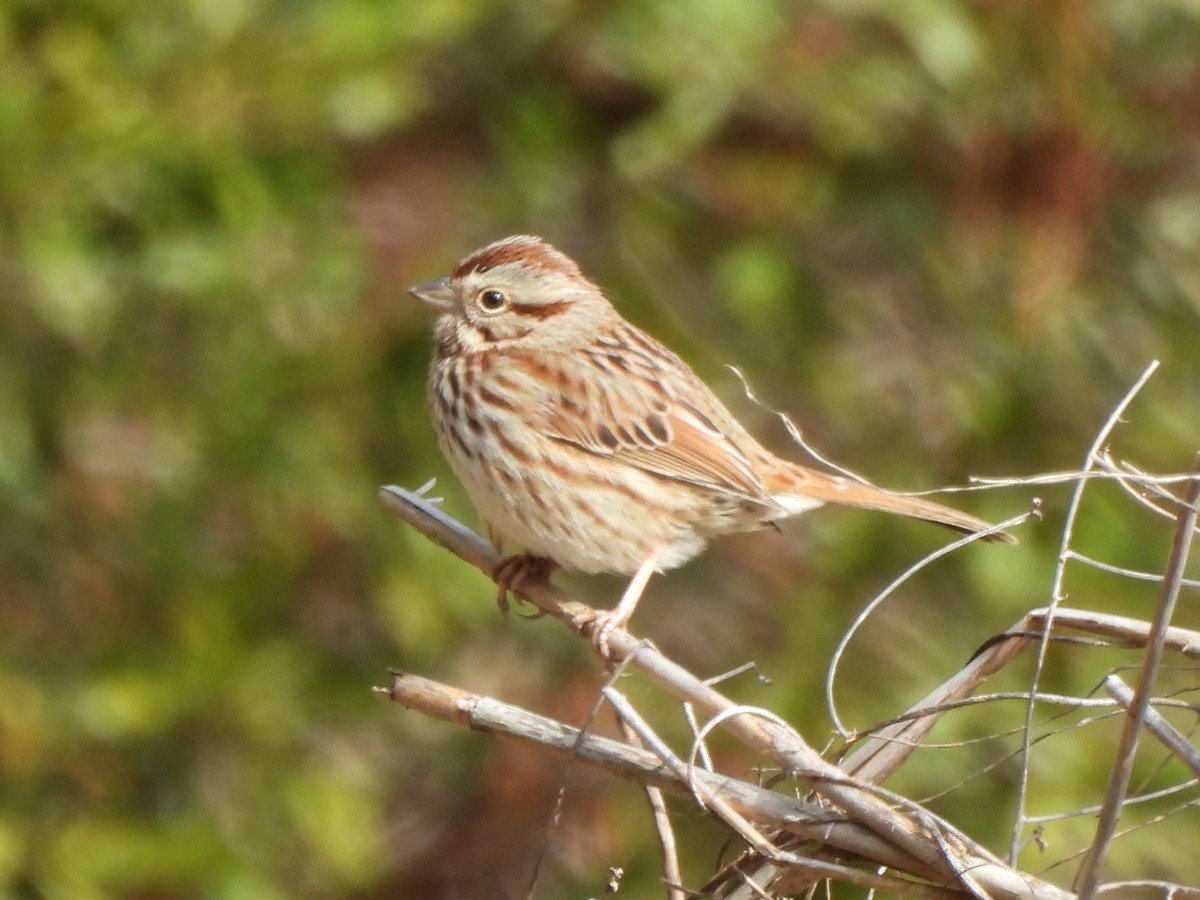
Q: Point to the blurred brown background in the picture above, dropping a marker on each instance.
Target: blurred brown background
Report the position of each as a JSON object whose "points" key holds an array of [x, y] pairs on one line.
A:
{"points": [[946, 237]]}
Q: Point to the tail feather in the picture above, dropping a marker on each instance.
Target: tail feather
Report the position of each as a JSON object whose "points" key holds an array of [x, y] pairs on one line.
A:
{"points": [[797, 488]]}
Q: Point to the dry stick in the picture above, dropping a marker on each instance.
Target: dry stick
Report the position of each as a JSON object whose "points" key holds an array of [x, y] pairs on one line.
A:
{"points": [[1157, 725], [1056, 596], [1178, 890], [1164, 888], [809, 866], [1090, 812], [913, 832], [779, 860], [668, 846], [1133, 632], [885, 750], [801, 818], [1119, 782], [1140, 485], [468, 546]]}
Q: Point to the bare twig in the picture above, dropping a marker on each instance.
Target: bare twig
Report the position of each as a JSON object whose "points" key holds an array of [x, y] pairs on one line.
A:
{"points": [[886, 750], [1157, 725], [456, 537], [1166, 889], [1126, 572], [1090, 874], [1107, 472], [798, 817], [1141, 485], [1093, 810], [1131, 632], [668, 846]]}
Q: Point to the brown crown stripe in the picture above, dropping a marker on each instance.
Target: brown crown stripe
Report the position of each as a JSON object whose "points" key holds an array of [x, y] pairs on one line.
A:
{"points": [[530, 252]]}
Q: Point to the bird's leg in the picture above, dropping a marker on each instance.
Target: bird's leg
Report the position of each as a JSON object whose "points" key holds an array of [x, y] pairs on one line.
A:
{"points": [[514, 571], [602, 623]]}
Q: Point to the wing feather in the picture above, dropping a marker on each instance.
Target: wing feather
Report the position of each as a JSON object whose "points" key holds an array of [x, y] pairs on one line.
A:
{"points": [[661, 419]]}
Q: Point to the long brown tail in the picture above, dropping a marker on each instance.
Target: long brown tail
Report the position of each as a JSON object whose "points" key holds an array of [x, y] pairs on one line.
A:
{"points": [[796, 488]]}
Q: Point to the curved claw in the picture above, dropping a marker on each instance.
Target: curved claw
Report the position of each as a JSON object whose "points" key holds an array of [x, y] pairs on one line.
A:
{"points": [[514, 571], [598, 625]]}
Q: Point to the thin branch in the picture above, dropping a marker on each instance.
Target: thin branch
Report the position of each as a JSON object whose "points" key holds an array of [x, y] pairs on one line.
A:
{"points": [[1157, 725], [1132, 632], [1169, 890], [909, 832], [1140, 485], [808, 866], [885, 750], [1092, 811], [1090, 875], [1135, 574], [668, 846], [1109, 472], [442, 529], [1139, 826]]}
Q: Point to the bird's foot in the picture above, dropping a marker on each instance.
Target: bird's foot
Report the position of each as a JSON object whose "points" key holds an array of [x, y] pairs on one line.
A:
{"points": [[513, 572], [598, 625]]}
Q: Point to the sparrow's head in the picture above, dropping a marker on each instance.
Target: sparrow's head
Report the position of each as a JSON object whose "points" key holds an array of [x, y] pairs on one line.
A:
{"points": [[518, 291]]}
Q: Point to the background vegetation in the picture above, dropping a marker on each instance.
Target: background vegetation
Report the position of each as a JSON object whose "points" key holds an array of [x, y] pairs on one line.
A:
{"points": [[945, 236]]}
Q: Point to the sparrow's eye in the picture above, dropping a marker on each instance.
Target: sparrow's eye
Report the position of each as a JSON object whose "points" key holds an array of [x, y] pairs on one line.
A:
{"points": [[493, 300]]}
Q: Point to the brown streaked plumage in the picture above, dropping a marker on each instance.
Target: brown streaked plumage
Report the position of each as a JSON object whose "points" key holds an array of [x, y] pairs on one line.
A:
{"points": [[588, 443]]}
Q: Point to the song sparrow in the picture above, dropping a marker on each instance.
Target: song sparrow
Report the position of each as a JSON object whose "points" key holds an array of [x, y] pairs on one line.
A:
{"points": [[588, 443]]}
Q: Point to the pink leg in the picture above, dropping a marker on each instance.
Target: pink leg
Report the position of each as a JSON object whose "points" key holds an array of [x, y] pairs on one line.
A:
{"points": [[603, 623]]}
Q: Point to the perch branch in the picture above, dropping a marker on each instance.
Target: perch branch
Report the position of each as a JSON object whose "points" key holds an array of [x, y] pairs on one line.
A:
{"points": [[912, 831], [490, 716]]}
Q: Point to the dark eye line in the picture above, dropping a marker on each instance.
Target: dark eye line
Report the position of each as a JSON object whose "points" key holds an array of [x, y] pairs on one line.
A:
{"points": [[541, 310]]}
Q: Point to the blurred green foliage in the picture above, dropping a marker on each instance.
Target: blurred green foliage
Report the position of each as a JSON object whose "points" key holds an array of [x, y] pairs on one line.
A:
{"points": [[946, 236]]}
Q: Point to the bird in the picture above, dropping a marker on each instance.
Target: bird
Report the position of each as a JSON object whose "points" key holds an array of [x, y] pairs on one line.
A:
{"points": [[585, 442]]}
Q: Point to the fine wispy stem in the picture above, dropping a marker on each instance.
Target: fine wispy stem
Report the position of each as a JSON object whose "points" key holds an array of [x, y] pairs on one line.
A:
{"points": [[1091, 461]]}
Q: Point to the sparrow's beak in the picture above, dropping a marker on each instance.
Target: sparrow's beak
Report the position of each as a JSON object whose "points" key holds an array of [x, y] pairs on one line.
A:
{"points": [[437, 294]]}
